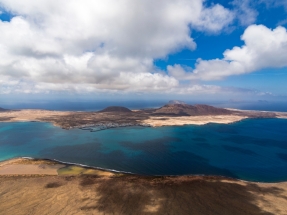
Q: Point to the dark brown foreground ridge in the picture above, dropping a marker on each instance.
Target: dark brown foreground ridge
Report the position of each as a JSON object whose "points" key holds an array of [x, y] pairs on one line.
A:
{"points": [[127, 194]]}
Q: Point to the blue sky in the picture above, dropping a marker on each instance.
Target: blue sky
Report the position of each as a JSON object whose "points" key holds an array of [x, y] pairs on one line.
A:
{"points": [[210, 46], [187, 49]]}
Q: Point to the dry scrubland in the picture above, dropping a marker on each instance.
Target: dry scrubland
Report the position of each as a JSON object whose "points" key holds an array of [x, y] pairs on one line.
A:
{"points": [[76, 190]]}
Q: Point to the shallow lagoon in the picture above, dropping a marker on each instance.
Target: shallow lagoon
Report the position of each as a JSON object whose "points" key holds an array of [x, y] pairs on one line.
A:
{"points": [[253, 149]]}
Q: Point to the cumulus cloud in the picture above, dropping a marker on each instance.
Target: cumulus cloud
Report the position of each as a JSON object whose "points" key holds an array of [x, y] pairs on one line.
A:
{"points": [[11, 86], [180, 72], [264, 48], [207, 89], [59, 44], [198, 90], [214, 19]]}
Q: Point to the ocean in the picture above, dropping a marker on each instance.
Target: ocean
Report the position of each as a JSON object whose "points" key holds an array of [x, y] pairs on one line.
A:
{"points": [[138, 104], [252, 149]]}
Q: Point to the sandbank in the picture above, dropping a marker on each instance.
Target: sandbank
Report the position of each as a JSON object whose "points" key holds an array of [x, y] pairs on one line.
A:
{"points": [[192, 120]]}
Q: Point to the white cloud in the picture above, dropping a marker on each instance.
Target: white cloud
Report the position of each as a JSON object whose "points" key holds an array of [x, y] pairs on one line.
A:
{"points": [[180, 72], [214, 18], [110, 44], [245, 12], [198, 90], [132, 84], [152, 84], [264, 48]]}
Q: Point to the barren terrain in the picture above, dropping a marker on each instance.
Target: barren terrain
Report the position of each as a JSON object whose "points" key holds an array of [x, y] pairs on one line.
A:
{"points": [[168, 115], [91, 191]]}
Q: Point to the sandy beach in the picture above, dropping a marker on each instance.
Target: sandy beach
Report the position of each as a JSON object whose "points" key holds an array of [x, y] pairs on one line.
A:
{"points": [[78, 190], [281, 115]]}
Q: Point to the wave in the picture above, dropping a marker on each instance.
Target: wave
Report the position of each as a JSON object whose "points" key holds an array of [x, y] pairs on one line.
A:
{"points": [[87, 166]]}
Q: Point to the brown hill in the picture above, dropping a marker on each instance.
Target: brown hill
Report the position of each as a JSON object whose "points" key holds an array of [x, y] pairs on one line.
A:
{"points": [[116, 109], [190, 110]]}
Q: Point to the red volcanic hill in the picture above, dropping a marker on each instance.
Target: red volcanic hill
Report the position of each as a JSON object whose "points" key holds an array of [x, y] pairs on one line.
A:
{"points": [[118, 109], [190, 110]]}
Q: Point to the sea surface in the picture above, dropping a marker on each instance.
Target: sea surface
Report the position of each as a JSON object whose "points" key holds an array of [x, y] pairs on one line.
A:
{"points": [[63, 105], [252, 149]]}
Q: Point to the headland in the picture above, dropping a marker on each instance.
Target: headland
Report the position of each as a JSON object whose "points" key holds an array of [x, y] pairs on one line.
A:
{"points": [[71, 189]]}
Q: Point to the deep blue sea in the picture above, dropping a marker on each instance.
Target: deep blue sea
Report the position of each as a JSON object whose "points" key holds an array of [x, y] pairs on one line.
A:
{"points": [[89, 105], [253, 149]]}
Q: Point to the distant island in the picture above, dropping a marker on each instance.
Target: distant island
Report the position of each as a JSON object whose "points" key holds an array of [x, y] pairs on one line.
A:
{"points": [[175, 113]]}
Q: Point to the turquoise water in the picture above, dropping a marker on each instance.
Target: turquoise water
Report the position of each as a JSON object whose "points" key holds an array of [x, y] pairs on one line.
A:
{"points": [[253, 149]]}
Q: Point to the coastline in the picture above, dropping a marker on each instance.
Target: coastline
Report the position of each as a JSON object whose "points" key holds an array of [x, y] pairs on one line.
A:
{"points": [[37, 161], [279, 114], [82, 192], [62, 164]]}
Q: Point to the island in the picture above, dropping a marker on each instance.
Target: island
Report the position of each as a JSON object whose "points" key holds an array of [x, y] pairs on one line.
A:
{"points": [[172, 114]]}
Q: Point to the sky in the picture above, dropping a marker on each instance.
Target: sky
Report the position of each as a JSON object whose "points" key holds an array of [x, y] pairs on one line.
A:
{"points": [[143, 49]]}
